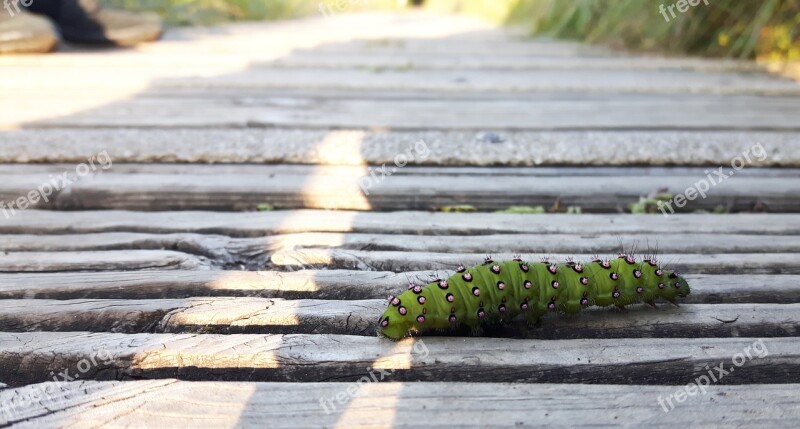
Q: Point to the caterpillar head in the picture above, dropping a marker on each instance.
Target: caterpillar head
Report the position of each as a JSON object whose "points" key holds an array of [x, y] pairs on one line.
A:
{"points": [[675, 285], [406, 313]]}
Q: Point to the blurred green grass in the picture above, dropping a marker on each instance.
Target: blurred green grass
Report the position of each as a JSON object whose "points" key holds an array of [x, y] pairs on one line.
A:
{"points": [[767, 29]]}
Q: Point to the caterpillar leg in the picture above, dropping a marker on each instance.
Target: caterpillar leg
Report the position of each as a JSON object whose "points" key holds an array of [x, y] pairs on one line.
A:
{"points": [[476, 331], [532, 320]]}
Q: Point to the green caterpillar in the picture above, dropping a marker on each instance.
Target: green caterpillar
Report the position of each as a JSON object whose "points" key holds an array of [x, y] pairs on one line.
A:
{"points": [[497, 292]]}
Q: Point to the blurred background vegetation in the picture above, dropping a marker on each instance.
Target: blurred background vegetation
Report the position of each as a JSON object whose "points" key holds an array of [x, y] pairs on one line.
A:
{"points": [[203, 12], [766, 29]]}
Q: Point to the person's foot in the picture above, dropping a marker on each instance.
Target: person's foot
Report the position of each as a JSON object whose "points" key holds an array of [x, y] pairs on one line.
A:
{"points": [[22, 32], [85, 21]]}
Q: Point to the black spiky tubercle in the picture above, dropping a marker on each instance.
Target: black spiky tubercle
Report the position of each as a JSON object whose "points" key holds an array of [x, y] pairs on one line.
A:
{"points": [[497, 292]]}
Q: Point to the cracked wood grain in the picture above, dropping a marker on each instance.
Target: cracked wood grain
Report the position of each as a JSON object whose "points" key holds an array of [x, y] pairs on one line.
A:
{"points": [[317, 190], [395, 404], [258, 224], [210, 246], [358, 317], [594, 151], [442, 82], [378, 61], [326, 284], [193, 315], [29, 357], [255, 252], [12, 262], [523, 243], [756, 168], [757, 263], [535, 111]]}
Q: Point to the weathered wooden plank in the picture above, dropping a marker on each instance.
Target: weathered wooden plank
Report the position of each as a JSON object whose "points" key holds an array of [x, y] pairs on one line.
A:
{"points": [[314, 316], [379, 62], [507, 243], [238, 315], [112, 241], [245, 191], [255, 253], [189, 243], [254, 224], [409, 170], [323, 284], [394, 404], [327, 284], [277, 96], [457, 46], [359, 147], [99, 261], [532, 81], [291, 251], [201, 315], [535, 112], [362, 192], [437, 81], [30, 357], [299, 96], [216, 248], [28, 315], [302, 186], [746, 263], [187, 64], [687, 321]]}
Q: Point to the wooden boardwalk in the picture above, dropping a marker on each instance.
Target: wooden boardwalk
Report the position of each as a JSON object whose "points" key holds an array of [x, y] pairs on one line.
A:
{"points": [[255, 192]]}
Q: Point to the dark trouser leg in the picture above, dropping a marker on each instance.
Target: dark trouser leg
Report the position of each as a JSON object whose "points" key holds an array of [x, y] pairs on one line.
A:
{"points": [[85, 21]]}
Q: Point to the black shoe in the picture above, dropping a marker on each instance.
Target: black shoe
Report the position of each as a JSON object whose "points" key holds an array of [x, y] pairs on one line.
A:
{"points": [[85, 21], [23, 33]]}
